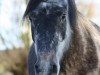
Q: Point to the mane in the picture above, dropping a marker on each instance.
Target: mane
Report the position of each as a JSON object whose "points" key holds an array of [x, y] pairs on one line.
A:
{"points": [[72, 12], [34, 3], [88, 27], [77, 19], [31, 6]]}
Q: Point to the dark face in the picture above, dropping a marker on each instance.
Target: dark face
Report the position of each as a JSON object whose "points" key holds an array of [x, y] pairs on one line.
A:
{"points": [[48, 22]]}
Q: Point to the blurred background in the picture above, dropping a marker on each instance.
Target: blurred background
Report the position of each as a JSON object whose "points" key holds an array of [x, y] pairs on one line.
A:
{"points": [[15, 38]]}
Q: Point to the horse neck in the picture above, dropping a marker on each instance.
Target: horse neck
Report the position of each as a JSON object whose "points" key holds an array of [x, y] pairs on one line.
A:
{"points": [[85, 33], [83, 45]]}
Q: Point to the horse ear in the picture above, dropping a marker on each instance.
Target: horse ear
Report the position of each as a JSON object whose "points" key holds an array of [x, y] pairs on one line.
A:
{"points": [[72, 12], [31, 6]]}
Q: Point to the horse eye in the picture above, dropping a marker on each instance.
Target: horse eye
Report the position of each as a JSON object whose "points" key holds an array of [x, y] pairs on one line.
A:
{"points": [[63, 16], [58, 13]]}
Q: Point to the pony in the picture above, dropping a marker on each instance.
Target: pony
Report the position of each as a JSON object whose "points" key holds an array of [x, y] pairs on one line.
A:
{"points": [[64, 41]]}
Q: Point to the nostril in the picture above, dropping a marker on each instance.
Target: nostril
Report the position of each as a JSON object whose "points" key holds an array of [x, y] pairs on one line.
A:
{"points": [[37, 69], [54, 69]]}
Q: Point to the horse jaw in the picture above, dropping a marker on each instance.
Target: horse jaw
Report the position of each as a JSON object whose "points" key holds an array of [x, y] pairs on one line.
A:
{"points": [[63, 45]]}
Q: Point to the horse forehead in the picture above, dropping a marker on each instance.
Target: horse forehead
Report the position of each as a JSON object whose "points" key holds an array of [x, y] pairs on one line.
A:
{"points": [[55, 2]]}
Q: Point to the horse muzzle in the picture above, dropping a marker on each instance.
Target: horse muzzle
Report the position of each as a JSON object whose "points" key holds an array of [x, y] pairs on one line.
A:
{"points": [[46, 65]]}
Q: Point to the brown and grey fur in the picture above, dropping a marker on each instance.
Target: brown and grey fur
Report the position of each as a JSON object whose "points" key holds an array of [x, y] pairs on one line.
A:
{"points": [[83, 55]]}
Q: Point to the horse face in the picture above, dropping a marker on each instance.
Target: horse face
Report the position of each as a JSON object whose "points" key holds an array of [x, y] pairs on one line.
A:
{"points": [[48, 22]]}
